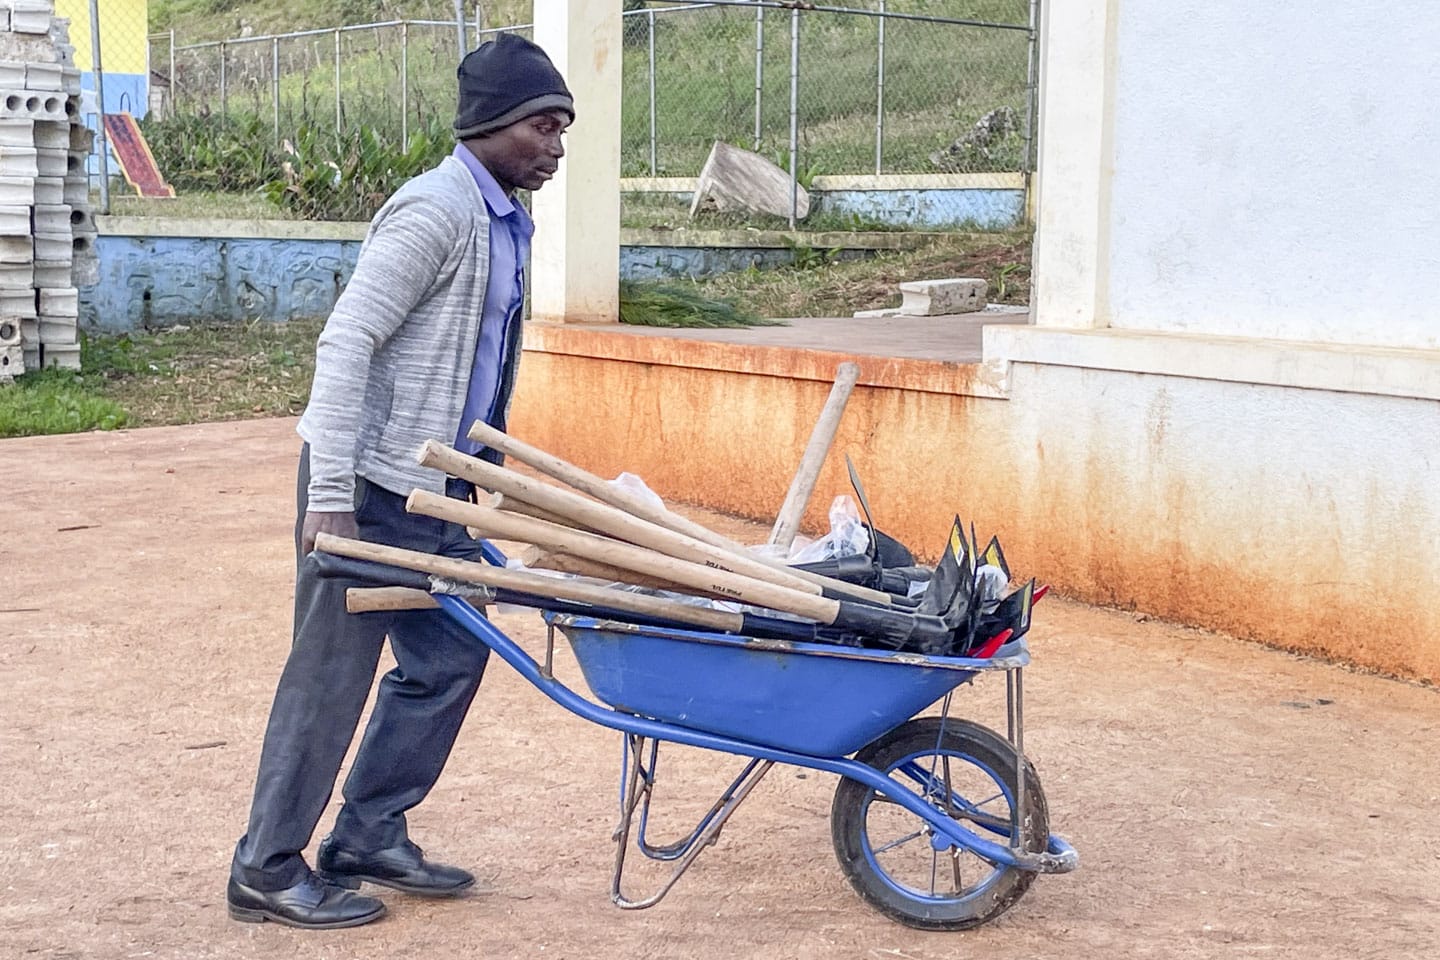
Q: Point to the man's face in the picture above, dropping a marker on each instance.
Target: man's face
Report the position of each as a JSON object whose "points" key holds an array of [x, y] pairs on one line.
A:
{"points": [[527, 153]]}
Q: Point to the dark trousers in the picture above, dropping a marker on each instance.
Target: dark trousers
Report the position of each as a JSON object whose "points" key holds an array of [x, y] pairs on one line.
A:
{"points": [[322, 692]]}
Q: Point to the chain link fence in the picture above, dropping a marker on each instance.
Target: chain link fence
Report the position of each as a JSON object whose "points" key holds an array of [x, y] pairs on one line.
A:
{"points": [[325, 123], [895, 88]]}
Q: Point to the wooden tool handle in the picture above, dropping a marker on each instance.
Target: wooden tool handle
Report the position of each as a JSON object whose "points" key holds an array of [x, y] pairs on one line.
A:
{"points": [[568, 508], [376, 599], [533, 584], [573, 476], [585, 482], [538, 558], [787, 521], [509, 526]]}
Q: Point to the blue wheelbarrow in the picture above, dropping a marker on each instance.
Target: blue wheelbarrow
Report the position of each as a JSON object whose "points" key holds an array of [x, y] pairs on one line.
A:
{"points": [[939, 823]]}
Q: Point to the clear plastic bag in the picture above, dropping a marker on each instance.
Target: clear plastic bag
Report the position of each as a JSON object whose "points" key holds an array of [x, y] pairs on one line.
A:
{"points": [[847, 537]]}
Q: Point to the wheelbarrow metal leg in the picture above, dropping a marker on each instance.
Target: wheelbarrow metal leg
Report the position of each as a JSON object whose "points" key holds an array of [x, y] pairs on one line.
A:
{"points": [[638, 786]]}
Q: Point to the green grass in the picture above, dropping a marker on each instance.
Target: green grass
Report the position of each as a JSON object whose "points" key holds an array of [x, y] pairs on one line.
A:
{"points": [[55, 401], [187, 374], [680, 305], [822, 286]]}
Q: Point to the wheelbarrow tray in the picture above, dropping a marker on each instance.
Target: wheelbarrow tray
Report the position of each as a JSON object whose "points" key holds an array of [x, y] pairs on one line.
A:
{"points": [[817, 699]]}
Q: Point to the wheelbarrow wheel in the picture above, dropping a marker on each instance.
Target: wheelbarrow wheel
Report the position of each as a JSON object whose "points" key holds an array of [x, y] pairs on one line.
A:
{"points": [[965, 769]]}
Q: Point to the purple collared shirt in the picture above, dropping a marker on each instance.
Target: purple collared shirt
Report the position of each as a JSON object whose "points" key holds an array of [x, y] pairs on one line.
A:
{"points": [[510, 231]]}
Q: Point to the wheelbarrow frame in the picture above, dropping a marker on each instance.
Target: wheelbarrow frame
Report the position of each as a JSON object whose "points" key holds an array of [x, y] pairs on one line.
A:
{"points": [[1058, 857]]}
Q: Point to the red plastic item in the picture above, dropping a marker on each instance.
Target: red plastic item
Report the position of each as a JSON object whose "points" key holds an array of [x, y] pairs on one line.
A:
{"points": [[988, 649]]}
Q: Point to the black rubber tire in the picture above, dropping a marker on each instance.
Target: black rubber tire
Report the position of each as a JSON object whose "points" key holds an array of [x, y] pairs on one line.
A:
{"points": [[988, 758]]}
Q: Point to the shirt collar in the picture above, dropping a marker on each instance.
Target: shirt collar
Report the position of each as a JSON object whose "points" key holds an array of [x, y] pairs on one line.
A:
{"points": [[495, 198]]}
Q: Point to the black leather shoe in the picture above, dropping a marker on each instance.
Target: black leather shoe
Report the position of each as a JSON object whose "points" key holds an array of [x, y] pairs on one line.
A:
{"points": [[312, 904], [403, 868]]}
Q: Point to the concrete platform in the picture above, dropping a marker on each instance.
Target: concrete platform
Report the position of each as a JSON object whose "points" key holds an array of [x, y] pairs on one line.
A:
{"points": [[951, 339]]}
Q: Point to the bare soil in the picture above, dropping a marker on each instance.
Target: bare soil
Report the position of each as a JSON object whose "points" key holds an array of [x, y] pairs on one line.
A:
{"points": [[1226, 800]]}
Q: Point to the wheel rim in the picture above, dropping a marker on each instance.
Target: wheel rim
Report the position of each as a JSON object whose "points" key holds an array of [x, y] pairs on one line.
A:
{"points": [[898, 844]]}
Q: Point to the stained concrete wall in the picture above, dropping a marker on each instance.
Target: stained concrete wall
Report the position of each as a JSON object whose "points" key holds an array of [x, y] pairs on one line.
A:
{"points": [[1273, 513]]}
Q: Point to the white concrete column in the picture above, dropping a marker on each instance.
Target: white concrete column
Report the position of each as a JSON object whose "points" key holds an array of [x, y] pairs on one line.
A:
{"points": [[1072, 239], [575, 261]]}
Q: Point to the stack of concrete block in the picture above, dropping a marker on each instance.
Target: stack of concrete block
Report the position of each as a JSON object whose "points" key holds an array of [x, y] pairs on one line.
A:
{"points": [[47, 231]]}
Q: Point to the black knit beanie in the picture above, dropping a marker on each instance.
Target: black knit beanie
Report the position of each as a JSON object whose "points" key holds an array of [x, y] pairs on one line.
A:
{"points": [[506, 80]]}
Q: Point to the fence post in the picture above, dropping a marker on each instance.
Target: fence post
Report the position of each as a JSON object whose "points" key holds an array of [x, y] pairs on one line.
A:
{"points": [[759, 70], [174, 87], [338, 120], [405, 84], [794, 113], [275, 81], [650, 16], [880, 90], [479, 22], [1032, 93], [102, 144], [460, 28], [224, 91]]}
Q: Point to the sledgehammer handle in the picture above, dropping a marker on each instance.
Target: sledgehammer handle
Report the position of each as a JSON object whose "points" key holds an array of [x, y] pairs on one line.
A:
{"points": [[787, 522]]}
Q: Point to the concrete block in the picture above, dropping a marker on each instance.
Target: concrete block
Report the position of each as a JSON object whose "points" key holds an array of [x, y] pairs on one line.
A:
{"points": [[9, 331], [59, 302], [55, 247], [70, 77], [27, 48], [52, 218], [738, 180], [82, 220], [81, 245], [52, 135], [59, 28], [937, 298], [52, 162], [85, 271], [29, 332], [57, 331], [32, 105], [12, 362], [76, 191], [65, 356], [17, 133], [51, 273], [4, 19], [18, 162], [12, 74], [18, 302], [17, 275], [31, 16], [17, 191], [32, 354], [44, 76], [82, 138], [16, 250], [14, 221], [66, 52], [49, 189]]}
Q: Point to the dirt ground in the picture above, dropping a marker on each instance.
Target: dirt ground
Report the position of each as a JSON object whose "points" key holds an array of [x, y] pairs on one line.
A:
{"points": [[1226, 800]]}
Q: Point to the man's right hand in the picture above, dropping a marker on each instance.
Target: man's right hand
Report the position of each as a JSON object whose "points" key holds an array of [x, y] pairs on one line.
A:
{"points": [[340, 523]]}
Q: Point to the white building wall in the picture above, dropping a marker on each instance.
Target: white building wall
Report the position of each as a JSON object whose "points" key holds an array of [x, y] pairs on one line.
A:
{"points": [[1227, 409], [1276, 170]]}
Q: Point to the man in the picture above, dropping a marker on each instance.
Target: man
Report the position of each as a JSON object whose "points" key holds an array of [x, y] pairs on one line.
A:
{"points": [[424, 340]]}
